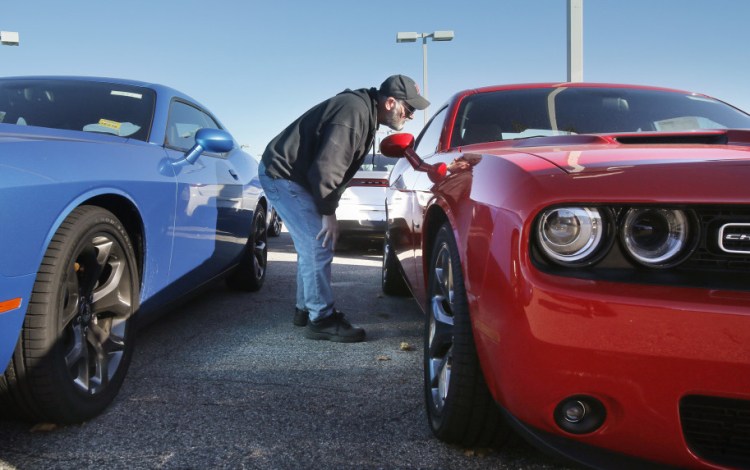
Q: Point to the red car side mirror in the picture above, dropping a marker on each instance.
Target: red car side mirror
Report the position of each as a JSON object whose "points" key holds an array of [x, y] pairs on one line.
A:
{"points": [[402, 145]]}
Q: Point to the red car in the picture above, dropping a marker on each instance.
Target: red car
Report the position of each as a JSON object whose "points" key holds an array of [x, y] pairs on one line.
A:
{"points": [[582, 254]]}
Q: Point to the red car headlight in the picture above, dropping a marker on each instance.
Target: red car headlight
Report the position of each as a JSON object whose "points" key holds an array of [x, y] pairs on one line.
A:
{"points": [[572, 235], [656, 237]]}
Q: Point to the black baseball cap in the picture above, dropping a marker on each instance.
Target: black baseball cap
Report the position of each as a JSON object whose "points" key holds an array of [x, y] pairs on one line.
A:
{"points": [[404, 88]]}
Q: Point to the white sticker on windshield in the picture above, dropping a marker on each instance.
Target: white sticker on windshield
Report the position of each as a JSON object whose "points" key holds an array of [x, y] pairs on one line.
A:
{"points": [[685, 123], [126, 93]]}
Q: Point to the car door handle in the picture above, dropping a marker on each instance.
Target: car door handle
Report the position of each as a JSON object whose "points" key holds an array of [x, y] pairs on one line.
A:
{"points": [[234, 175]]}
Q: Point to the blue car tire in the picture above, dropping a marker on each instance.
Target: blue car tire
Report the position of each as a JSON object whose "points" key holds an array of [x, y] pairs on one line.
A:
{"points": [[250, 274], [77, 339]]}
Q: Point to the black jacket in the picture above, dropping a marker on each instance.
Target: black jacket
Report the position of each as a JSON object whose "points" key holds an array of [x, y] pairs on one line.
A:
{"points": [[324, 147]]}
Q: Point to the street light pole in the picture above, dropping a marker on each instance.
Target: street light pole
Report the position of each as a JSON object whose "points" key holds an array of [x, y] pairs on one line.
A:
{"points": [[424, 70], [575, 40], [412, 37]]}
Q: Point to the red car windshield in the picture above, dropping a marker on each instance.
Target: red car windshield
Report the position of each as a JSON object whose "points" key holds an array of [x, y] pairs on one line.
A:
{"points": [[534, 112], [122, 110]]}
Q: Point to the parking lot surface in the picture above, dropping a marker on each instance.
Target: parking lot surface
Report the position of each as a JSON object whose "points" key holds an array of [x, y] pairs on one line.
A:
{"points": [[226, 381]]}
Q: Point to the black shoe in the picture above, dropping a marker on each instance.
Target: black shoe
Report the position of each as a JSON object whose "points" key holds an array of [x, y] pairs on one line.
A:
{"points": [[335, 328], [300, 317]]}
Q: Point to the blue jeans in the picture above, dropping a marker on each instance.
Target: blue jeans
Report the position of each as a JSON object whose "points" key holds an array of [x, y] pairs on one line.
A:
{"points": [[297, 209]]}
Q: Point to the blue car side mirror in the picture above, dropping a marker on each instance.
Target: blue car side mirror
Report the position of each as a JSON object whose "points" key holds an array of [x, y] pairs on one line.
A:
{"points": [[209, 140]]}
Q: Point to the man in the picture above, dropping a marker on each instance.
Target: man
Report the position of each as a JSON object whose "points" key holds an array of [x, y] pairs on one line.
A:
{"points": [[304, 171]]}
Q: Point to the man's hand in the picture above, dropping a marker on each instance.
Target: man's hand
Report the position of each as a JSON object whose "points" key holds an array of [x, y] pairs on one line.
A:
{"points": [[330, 230]]}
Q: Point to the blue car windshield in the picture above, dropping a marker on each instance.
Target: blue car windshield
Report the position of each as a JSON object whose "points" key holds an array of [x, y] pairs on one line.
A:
{"points": [[89, 106], [532, 112]]}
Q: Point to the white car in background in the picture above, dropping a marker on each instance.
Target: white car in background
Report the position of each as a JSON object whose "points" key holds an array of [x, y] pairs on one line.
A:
{"points": [[361, 211]]}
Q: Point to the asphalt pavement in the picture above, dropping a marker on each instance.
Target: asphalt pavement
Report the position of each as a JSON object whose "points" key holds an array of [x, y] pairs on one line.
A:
{"points": [[226, 381]]}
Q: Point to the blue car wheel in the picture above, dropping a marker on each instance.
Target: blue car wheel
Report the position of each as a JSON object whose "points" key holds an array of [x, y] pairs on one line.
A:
{"points": [[250, 274], [77, 339]]}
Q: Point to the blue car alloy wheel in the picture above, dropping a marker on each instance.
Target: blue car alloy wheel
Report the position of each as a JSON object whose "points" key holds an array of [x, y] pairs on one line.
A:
{"points": [[77, 338], [250, 274]]}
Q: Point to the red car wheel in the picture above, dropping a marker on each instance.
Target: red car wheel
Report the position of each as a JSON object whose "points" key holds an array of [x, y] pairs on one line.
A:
{"points": [[460, 408]]}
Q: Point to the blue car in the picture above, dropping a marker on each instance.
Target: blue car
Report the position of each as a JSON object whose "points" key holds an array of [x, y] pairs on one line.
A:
{"points": [[118, 198]]}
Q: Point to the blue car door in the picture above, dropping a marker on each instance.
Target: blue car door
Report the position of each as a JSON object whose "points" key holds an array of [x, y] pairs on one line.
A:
{"points": [[210, 220]]}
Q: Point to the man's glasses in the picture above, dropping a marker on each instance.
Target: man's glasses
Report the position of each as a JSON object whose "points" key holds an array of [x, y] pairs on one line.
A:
{"points": [[408, 110]]}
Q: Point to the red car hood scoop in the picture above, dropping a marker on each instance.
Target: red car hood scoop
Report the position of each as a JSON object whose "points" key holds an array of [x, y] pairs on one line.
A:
{"points": [[602, 152], [708, 137]]}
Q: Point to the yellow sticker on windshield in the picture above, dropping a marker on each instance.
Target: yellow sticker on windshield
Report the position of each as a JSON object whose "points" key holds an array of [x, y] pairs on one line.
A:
{"points": [[111, 124]]}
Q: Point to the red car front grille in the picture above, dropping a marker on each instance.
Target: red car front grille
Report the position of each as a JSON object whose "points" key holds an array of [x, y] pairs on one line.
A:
{"points": [[717, 429]]}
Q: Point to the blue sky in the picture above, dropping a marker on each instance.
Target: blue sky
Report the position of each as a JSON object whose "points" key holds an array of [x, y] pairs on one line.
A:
{"points": [[259, 64]]}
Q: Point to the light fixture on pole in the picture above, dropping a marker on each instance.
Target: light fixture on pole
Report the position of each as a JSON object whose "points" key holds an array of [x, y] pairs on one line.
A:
{"points": [[8, 38], [412, 37]]}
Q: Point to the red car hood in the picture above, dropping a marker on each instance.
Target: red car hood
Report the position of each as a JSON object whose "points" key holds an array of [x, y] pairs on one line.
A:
{"points": [[583, 154]]}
